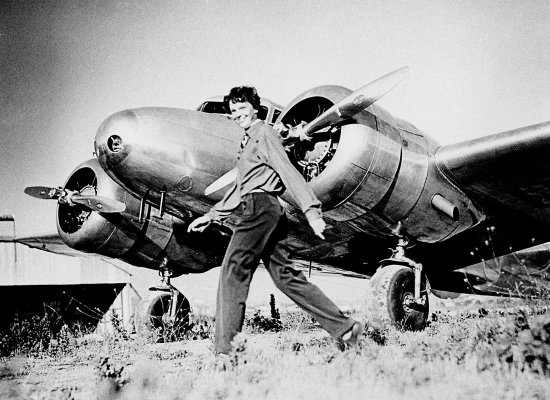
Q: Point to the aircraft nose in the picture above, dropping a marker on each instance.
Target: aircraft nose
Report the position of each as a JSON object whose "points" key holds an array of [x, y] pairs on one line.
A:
{"points": [[113, 141]]}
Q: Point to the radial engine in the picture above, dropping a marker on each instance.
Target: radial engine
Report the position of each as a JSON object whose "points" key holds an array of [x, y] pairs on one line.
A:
{"points": [[377, 172], [139, 235]]}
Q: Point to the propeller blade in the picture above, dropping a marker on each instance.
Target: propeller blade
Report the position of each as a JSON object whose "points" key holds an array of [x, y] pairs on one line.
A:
{"points": [[344, 109], [96, 203], [99, 203], [357, 101], [221, 182], [43, 192]]}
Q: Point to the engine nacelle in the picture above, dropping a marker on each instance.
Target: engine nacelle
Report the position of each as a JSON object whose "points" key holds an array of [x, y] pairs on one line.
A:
{"points": [[377, 173], [349, 158], [146, 242]]}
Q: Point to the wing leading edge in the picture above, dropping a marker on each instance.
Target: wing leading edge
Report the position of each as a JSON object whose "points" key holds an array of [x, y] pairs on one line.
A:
{"points": [[51, 243], [507, 172], [507, 175]]}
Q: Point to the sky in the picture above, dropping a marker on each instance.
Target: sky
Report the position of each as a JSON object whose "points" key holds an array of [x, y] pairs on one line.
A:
{"points": [[477, 68]]}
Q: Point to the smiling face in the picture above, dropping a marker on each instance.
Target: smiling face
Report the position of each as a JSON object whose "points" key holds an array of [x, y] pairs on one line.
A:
{"points": [[243, 113]]}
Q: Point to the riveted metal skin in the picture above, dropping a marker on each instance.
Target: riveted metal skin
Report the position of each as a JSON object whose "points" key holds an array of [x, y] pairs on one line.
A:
{"points": [[509, 168], [375, 174], [380, 179], [177, 151], [382, 176], [123, 236], [89, 231]]}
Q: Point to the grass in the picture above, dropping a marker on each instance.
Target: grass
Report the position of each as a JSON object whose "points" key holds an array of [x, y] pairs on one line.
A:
{"points": [[500, 350]]}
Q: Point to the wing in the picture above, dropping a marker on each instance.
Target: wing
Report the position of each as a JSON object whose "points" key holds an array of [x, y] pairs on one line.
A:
{"points": [[51, 243], [508, 176], [507, 173], [314, 268]]}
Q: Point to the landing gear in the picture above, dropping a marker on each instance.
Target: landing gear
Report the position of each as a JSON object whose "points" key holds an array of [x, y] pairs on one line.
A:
{"points": [[164, 314], [397, 293]]}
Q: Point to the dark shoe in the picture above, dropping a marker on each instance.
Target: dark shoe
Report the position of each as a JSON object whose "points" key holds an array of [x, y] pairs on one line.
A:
{"points": [[351, 337]]}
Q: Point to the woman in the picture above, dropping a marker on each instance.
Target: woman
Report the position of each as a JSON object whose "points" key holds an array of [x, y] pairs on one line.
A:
{"points": [[264, 172]]}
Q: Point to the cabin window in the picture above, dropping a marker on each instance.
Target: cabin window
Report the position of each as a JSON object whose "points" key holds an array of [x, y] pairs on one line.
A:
{"points": [[276, 113], [213, 107], [262, 113], [217, 107]]}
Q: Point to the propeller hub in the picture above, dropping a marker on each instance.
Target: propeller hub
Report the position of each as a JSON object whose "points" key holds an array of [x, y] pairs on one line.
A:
{"points": [[88, 190]]}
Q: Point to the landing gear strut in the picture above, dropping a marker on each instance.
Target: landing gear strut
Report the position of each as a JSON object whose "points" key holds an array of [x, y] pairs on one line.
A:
{"points": [[164, 314], [397, 293]]}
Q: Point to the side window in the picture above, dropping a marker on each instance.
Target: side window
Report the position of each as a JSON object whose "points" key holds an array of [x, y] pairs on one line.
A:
{"points": [[276, 113], [217, 107], [262, 113], [213, 107]]}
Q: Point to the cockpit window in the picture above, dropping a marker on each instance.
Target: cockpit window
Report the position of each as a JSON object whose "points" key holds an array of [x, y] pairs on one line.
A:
{"points": [[213, 107], [217, 107], [262, 113], [276, 113]]}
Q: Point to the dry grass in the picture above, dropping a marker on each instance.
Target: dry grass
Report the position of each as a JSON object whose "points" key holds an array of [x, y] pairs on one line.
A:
{"points": [[498, 351]]}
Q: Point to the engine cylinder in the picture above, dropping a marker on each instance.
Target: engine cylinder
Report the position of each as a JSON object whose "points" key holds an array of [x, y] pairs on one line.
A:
{"points": [[146, 243], [88, 231], [359, 163], [376, 172]]}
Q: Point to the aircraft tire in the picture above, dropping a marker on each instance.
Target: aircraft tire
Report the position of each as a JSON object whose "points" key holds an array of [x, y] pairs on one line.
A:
{"points": [[388, 289], [152, 317]]}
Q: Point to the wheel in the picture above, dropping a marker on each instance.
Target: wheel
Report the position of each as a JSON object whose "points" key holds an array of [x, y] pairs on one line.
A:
{"points": [[390, 299], [154, 321]]}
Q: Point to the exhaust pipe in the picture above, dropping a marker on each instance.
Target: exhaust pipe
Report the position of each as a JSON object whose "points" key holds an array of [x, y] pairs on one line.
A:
{"points": [[443, 205]]}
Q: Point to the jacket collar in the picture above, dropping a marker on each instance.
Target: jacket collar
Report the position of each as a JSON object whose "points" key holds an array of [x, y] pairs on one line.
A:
{"points": [[249, 129]]}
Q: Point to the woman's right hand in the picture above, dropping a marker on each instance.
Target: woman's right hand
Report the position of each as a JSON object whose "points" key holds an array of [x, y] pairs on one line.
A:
{"points": [[199, 224]]}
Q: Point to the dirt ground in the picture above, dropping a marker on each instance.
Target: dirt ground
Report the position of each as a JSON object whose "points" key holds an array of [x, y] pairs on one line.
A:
{"points": [[458, 356], [102, 365]]}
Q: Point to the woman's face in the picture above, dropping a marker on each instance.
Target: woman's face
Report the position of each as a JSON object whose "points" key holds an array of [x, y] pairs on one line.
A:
{"points": [[243, 113]]}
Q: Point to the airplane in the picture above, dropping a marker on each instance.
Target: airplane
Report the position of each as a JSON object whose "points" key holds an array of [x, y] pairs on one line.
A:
{"points": [[415, 216]]}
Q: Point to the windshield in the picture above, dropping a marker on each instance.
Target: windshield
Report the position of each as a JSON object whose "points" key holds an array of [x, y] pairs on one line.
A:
{"points": [[217, 107]]}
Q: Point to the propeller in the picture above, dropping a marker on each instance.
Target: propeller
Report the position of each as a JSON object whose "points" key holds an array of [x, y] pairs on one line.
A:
{"points": [[221, 182], [357, 101], [346, 108], [64, 196]]}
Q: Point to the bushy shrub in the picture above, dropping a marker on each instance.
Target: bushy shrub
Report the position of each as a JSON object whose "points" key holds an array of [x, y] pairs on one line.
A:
{"points": [[522, 344], [118, 326], [260, 323], [36, 336], [200, 327]]}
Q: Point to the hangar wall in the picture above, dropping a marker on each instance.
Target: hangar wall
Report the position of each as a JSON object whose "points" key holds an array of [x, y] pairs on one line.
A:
{"points": [[75, 289]]}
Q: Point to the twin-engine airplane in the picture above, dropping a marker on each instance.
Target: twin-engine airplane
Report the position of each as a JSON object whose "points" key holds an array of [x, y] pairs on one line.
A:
{"points": [[471, 217]]}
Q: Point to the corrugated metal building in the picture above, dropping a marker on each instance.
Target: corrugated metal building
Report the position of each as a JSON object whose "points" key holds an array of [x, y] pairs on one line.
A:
{"points": [[70, 289]]}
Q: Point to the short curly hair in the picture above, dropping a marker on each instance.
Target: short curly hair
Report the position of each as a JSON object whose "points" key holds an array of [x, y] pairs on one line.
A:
{"points": [[241, 94]]}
